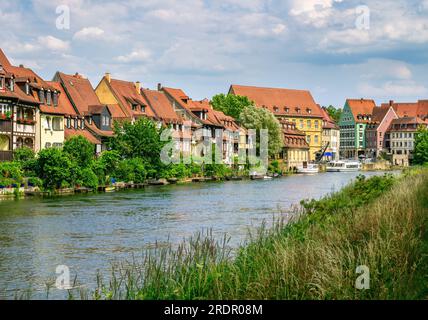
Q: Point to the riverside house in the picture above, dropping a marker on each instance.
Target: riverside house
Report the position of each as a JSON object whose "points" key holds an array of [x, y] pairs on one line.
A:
{"points": [[330, 137], [90, 117], [356, 115], [296, 149], [377, 138], [19, 107], [296, 106], [205, 120]]}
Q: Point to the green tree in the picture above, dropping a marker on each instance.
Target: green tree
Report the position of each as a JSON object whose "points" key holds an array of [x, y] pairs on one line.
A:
{"points": [[54, 166], [334, 113], [131, 170], [80, 150], [23, 154], [139, 140], [230, 104], [421, 146], [259, 118]]}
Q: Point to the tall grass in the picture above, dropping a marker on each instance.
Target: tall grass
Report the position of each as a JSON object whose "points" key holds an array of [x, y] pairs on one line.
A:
{"points": [[379, 222]]}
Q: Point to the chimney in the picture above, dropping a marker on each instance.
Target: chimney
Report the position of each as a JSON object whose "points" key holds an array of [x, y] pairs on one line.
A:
{"points": [[108, 76], [21, 66], [159, 86], [138, 87], [391, 102]]}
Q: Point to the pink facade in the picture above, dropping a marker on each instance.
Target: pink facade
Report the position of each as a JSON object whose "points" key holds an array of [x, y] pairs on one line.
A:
{"points": [[376, 135]]}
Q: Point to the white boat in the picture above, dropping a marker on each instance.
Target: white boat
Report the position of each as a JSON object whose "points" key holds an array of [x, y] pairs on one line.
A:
{"points": [[308, 168], [343, 166]]}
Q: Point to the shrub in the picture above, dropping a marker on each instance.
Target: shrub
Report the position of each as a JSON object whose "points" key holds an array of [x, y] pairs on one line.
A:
{"points": [[131, 170], [23, 154], [80, 150], [11, 170], [54, 168]]}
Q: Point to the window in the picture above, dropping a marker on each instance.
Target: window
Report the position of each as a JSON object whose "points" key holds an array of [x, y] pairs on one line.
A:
{"points": [[75, 124], [27, 88], [316, 139], [82, 124], [42, 96], [316, 124], [68, 123], [301, 124], [105, 121], [48, 123], [308, 139], [48, 98], [57, 124], [2, 83], [55, 99], [308, 123]]}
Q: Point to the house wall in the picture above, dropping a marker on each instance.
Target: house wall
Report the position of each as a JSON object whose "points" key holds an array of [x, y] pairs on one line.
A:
{"points": [[104, 93], [48, 136], [383, 128], [312, 127], [332, 137], [347, 133]]}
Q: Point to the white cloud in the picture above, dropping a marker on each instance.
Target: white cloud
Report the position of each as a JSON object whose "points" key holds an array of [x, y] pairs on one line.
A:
{"points": [[140, 55], [53, 43], [89, 33], [393, 89]]}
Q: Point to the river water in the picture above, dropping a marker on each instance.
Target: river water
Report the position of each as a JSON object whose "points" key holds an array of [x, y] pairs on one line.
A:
{"points": [[89, 232]]}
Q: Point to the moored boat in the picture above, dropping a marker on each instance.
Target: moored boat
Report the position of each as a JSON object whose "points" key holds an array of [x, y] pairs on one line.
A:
{"points": [[308, 168], [343, 166]]}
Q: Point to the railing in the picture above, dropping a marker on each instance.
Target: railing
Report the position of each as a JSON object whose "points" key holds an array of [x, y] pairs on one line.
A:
{"points": [[6, 156], [5, 126]]}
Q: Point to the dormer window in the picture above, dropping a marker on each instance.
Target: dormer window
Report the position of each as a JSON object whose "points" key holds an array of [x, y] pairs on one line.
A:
{"points": [[308, 110], [42, 96], [275, 109], [27, 88], [297, 109], [1, 83], [55, 99], [12, 85], [48, 98], [287, 109]]}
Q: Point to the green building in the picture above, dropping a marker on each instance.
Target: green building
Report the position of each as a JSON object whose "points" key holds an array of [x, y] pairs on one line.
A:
{"points": [[357, 113]]}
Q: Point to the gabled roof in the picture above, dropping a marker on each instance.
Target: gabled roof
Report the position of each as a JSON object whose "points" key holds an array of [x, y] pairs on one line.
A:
{"points": [[64, 105], [126, 93], [4, 61], [361, 107], [84, 133], [410, 109], [379, 113], [79, 90], [117, 112], [283, 102], [161, 106]]}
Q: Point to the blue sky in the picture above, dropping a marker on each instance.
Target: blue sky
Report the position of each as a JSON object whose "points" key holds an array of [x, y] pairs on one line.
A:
{"points": [[201, 46]]}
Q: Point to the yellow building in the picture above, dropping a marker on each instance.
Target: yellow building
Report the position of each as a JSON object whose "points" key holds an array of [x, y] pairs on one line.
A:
{"points": [[295, 106]]}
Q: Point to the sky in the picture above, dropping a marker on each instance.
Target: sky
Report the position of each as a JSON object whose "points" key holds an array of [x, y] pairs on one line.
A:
{"points": [[337, 49]]}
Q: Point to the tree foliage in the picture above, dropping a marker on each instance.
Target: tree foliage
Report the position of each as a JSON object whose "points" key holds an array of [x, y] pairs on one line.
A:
{"points": [[230, 104], [54, 167], [421, 146], [80, 150], [258, 118], [138, 140], [334, 113]]}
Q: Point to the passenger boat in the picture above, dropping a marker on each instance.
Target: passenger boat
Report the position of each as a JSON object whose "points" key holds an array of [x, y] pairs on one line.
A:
{"points": [[308, 168], [343, 166]]}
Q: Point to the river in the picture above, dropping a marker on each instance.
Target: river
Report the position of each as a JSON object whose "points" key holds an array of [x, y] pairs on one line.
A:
{"points": [[89, 232]]}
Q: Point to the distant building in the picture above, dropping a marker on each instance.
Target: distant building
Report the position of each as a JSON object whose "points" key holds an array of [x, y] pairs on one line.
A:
{"points": [[296, 148], [377, 136], [330, 137], [402, 134], [296, 106], [356, 115]]}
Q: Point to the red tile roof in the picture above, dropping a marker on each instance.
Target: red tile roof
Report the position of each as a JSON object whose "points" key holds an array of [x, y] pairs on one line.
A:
{"points": [[64, 105], [116, 112], [361, 107], [84, 133], [80, 91], [293, 138], [184, 102], [283, 102], [127, 94], [94, 129], [161, 106], [410, 109]]}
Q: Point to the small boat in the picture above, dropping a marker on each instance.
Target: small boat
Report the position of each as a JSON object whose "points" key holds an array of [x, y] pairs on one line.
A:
{"points": [[308, 168], [343, 166], [267, 178], [110, 189], [173, 180]]}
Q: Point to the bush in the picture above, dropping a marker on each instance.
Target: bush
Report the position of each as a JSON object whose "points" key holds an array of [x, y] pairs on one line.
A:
{"points": [[36, 182], [11, 170], [131, 170], [80, 150], [86, 178], [23, 154], [54, 167]]}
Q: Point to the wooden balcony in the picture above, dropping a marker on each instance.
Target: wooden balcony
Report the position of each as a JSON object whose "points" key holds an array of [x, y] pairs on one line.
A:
{"points": [[5, 126], [6, 156]]}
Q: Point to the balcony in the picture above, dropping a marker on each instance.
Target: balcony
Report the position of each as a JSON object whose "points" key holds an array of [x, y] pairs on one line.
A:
{"points": [[5, 125], [6, 156]]}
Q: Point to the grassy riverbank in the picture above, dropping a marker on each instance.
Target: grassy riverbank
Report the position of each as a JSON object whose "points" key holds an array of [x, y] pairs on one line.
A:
{"points": [[379, 222]]}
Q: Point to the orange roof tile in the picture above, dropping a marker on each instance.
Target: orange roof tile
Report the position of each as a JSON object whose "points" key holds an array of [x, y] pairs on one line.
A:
{"points": [[284, 102], [361, 107], [161, 106], [64, 105], [84, 133]]}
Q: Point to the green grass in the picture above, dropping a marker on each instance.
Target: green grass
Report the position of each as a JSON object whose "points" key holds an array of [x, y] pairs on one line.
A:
{"points": [[379, 222]]}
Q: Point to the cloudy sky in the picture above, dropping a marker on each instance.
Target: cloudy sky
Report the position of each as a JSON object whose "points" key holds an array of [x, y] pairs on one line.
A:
{"points": [[334, 48]]}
